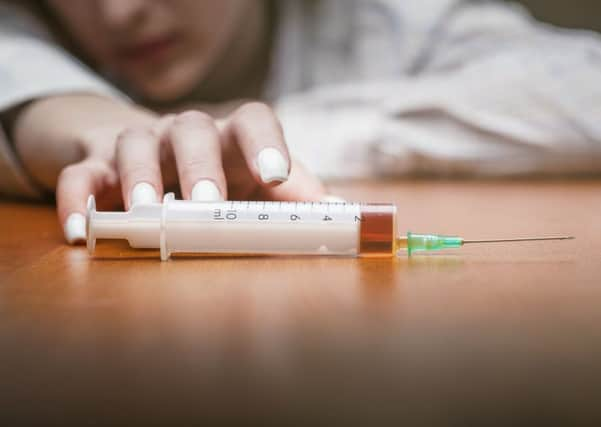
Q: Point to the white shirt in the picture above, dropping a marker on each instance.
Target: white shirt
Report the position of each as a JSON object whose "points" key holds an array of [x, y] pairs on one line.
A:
{"points": [[389, 87]]}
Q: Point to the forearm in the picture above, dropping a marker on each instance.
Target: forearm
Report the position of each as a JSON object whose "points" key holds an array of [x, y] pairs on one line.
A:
{"points": [[50, 133]]}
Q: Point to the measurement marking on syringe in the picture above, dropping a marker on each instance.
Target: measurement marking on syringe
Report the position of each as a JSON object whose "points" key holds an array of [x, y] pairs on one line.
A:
{"points": [[282, 212]]}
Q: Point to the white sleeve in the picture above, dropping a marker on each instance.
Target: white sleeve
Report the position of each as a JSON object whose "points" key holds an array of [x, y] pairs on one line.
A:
{"points": [[31, 66], [495, 93]]}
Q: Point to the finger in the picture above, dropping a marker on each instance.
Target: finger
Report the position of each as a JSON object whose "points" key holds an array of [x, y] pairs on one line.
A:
{"points": [[75, 183], [168, 167], [259, 135], [197, 149], [302, 186], [139, 167], [162, 125]]}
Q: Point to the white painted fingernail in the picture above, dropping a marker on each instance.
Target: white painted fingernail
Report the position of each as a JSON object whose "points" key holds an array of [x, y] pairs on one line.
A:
{"points": [[333, 199], [205, 190], [75, 228], [272, 166], [143, 193]]}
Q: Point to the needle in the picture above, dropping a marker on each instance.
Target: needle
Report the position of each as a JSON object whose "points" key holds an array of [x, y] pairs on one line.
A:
{"points": [[521, 239], [434, 242]]}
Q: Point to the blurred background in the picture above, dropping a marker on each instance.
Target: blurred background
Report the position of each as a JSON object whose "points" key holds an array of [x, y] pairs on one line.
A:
{"points": [[573, 13]]}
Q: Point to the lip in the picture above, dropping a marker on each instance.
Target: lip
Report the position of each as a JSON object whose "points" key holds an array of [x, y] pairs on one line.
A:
{"points": [[152, 49]]}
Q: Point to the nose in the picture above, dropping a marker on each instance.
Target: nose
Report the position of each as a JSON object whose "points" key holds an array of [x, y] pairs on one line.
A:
{"points": [[120, 14]]}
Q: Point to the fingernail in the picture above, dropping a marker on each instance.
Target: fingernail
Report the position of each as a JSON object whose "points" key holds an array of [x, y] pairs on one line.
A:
{"points": [[333, 199], [75, 228], [143, 193], [205, 190], [272, 166]]}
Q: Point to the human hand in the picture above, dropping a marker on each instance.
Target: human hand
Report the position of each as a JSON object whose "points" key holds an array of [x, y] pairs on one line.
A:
{"points": [[123, 154]]}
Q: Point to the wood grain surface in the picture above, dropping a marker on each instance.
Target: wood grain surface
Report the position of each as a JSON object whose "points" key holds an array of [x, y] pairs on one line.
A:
{"points": [[499, 334]]}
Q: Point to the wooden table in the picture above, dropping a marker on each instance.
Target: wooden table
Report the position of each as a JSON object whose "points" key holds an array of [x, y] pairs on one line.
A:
{"points": [[504, 333]]}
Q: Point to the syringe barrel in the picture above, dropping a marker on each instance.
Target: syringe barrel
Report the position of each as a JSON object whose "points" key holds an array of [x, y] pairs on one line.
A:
{"points": [[302, 228], [293, 228]]}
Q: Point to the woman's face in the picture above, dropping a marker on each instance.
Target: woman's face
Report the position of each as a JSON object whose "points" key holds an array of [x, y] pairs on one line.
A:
{"points": [[161, 48]]}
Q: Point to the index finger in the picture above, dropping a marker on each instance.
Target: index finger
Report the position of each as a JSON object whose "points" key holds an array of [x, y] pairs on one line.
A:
{"points": [[260, 137]]}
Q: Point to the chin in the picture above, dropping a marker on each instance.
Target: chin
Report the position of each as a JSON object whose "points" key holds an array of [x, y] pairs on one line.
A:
{"points": [[165, 91], [170, 85]]}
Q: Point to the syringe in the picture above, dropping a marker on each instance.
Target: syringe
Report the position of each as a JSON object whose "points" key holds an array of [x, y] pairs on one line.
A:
{"points": [[278, 228]]}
